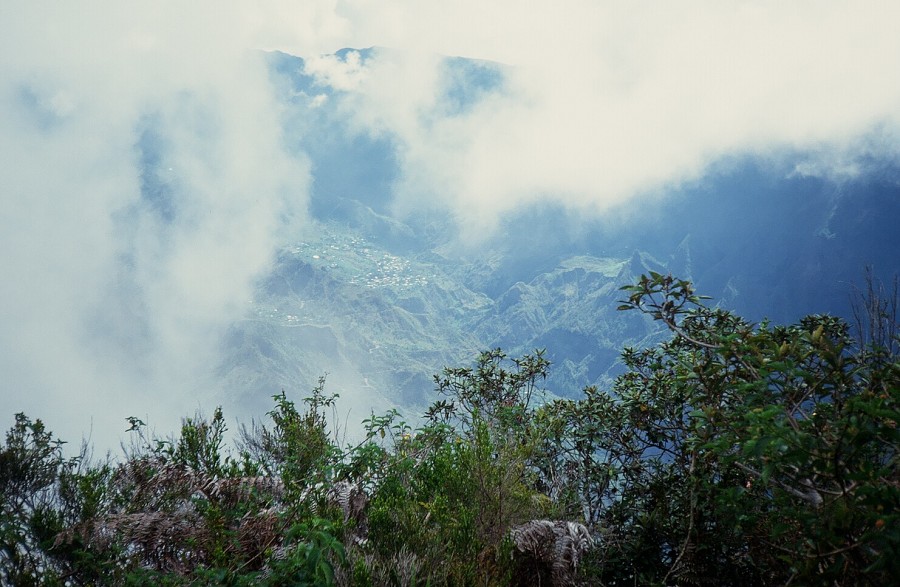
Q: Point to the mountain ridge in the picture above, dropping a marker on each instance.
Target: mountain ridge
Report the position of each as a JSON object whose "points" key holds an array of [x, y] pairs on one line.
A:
{"points": [[382, 301]]}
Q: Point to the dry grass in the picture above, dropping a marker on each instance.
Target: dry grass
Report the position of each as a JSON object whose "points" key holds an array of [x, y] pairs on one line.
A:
{"points": [[555, 545], [163, 527]]}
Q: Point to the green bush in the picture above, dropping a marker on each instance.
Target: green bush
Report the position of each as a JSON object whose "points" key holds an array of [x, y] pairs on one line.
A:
{"points": [[731, 454]]}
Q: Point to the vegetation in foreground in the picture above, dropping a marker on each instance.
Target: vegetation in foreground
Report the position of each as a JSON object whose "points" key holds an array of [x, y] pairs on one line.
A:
{"points": [[731, 454]]}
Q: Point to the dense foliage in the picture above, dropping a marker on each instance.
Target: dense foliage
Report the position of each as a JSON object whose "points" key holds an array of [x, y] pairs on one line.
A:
{"points": [[731, 454]]}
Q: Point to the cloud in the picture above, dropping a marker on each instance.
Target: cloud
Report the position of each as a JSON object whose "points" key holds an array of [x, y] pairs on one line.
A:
{"points": [[605, 100], [144, 188], [345, 74]]}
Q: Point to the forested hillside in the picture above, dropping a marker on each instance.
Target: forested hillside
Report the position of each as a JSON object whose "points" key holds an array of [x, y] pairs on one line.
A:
{"points": [[730, 453]]}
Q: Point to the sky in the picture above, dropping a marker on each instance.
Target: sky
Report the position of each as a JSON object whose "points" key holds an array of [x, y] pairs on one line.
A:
{"points": [[113, 301]]}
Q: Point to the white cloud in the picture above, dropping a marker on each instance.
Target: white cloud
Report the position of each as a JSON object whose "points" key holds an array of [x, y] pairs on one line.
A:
{"points": [[341, 74], [607, 100], [113, 303]]}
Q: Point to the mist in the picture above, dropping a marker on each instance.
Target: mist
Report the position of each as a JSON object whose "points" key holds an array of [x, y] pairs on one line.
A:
{"points": [[601, 103], [145, 187]]}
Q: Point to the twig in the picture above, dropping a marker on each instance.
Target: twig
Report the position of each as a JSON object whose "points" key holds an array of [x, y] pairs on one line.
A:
{"points": [[690, 530]]}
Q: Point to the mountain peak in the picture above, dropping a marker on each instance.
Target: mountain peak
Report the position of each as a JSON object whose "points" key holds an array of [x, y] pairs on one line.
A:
{"points": [[641, 263], [680, 260]]}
